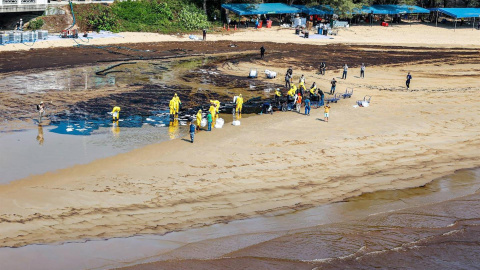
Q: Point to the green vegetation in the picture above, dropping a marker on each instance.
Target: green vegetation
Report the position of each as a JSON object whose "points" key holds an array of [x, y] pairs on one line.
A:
{"points": [[35, 24], [172, 16], [164, 16]]}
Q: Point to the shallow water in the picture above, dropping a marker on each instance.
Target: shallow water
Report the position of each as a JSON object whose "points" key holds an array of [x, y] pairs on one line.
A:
{"points": [[388, 229], [66, 143]]}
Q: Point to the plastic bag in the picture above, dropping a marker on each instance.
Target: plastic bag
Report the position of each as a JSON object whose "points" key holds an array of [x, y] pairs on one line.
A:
{"points": [[219, 123], [203, 123]]}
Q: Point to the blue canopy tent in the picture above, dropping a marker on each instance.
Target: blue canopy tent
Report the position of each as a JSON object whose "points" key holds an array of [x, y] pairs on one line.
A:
{"points": [[254, 9], [396, 9], [310, 10], [458, 13]]}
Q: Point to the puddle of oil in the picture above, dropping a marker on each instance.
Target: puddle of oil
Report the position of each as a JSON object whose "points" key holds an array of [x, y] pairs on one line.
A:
{"points": [[216, 240]]}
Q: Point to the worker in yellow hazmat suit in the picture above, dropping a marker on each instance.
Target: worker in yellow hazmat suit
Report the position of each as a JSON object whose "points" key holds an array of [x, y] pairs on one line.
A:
{"points": [[239, 102], [278, 95], [216, 103], [116, 113], [177, 103], [199, 119], [292, 91], [212, 111], [171, 106], [313, 89]]}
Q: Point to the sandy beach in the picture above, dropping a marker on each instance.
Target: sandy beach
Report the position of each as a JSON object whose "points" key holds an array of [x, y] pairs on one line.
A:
{"points": [[415, 35], [270, 164]]}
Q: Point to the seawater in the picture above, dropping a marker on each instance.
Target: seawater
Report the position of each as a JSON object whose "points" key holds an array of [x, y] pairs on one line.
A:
{"points": [[62, 144], [436, 226]]}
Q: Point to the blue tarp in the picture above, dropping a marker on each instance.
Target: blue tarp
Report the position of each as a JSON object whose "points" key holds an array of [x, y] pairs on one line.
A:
{"points": [[253, 9], [459, 12]]}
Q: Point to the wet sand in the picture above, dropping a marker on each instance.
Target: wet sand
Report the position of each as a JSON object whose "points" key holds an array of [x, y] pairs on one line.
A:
{"points": [[222, 245], [436, 235]]}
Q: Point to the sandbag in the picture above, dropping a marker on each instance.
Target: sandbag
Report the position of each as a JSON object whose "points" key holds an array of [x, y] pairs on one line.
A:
{"points": [[203, 123], [236, 123]]}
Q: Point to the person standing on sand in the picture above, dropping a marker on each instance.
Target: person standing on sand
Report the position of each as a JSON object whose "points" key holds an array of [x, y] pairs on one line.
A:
{"points": [[193, 130], [334, 84], [239, 104], [345, 69], [409, 77], [204, 34], [307, 106], [41, 111], [288, 78], [322, 68], [262, 52], [177, 103], [362, 71], [278, 95], [299, 102], [199, 119], [322, 98], [327, 113], [209, 121]]}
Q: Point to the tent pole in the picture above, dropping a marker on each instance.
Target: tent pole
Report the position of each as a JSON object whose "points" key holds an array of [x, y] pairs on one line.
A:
{"points": [[473, 24], [455, 25], [436, 20]]}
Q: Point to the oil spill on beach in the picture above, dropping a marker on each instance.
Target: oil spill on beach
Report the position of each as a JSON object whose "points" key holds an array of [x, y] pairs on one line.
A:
{"points": [[80, 106], [436, 226]]}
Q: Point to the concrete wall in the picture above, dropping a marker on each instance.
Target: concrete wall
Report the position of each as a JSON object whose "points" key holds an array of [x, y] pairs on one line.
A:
{"points": [[22, 5]]}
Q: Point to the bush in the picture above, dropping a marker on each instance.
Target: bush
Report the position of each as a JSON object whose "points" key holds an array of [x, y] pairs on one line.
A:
{"points": [[101, 18], [35, 24], [165, 16], [143, 15], [191, 18]]}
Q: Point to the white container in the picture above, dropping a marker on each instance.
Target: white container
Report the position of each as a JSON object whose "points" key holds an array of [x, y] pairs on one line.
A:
{"points": [[219, 123]]}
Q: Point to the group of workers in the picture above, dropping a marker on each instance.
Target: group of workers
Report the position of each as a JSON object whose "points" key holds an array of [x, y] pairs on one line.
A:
{"points": [[212, 115], [298, 95]]}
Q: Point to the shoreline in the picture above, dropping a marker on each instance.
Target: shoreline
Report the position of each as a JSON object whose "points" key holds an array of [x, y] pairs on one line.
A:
{"points": [[160, 249]]}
